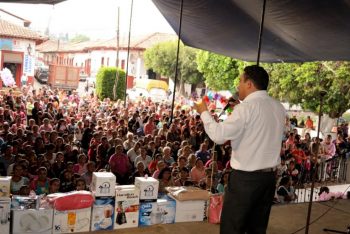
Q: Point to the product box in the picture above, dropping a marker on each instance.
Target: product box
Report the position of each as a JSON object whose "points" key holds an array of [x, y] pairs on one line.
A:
{"points": [[70, 221], [148, 187], [32, 221], [5, 208], [126, 206], [161, 211], [25, 203], [103, 184], [189, 211], [102, 217], [5, 182]]}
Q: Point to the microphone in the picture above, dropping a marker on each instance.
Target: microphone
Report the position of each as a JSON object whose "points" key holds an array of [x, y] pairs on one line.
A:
{"points": [[231, 101]]}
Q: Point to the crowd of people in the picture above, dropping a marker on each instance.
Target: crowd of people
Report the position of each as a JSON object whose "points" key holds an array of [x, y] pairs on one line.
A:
{"points": [[52, 141]]}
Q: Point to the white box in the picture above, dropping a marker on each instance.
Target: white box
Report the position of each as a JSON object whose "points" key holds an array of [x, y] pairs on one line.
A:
{"points": [[32, 221], [190, 211], [5, 208], [103, 184], [25, 202], [126, 206], [70, 221], [5, 182], [102, 217], [148, 187], [161, 211]]}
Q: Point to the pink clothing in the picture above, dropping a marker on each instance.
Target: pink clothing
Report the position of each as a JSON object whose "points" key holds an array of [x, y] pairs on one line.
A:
{"points": [[329, 150], [156, 174], [47, 128], [196, 174], [119, 164], [148, 128], [77, 168]]}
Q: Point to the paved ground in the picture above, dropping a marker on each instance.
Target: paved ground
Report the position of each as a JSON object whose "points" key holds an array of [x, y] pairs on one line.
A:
{"points": [[284, 219]]}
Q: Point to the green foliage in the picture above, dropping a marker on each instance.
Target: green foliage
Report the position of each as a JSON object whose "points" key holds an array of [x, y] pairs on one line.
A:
{"points": [[79, 38], [162, 59], [105, 80], [220, 72], [301, 83]]}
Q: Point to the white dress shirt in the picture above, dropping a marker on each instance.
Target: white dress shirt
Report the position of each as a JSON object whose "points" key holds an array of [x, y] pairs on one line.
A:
{"points": [[255, 129]]}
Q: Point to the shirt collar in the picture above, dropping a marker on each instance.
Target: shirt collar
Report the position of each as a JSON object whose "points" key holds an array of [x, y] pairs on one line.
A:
{"points": [[255, 95]]}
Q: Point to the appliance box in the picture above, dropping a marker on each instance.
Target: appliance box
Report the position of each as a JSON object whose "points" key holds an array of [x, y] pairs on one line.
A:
{"points": [[32, 221], [103, 214], [25, 202], [148, 187], [5, 208], [5, 182], [71, 221], [160, 212], [126, 207], [190, 211], [103, 184]]}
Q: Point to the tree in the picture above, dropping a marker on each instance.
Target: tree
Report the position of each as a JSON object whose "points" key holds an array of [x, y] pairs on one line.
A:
{"points": [[220, 72], [79, 38], [105, 81], [161, 58], [301, 83]]}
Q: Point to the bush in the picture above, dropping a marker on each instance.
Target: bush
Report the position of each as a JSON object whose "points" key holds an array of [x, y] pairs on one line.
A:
{"points": [[105, 80]]}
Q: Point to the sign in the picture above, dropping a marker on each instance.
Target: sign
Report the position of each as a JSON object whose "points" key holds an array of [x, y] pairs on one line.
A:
{"points": [[28, 65], [6, 44]]}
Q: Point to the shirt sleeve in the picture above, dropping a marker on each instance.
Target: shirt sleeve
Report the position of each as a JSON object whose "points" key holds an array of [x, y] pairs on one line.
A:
{"points": [[230, 129]]}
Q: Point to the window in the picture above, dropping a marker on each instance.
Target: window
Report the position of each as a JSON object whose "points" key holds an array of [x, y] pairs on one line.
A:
{"points": [[102, 61]]}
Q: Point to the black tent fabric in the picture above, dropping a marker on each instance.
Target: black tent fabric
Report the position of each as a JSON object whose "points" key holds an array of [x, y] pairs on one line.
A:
{"points": [[52, 2], [294, 30]]}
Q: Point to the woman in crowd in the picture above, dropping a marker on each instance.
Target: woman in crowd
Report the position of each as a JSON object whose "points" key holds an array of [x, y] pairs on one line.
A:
{"points": [[165, 179]]}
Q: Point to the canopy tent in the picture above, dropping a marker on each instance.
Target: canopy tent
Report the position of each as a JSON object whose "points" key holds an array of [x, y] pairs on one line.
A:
{"points": [[298, 30], [34, 1]]}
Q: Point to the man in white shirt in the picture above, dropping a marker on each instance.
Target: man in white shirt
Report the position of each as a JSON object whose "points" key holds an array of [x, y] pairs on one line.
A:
{"points": [[255, 131], [144, 158]]}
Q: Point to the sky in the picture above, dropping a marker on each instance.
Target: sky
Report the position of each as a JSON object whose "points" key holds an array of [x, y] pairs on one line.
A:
{"points": [[94, 18]]}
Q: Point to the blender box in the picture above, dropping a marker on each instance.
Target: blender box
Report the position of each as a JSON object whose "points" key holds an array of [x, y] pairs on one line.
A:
{"points": [[126, 206], [5, 182], [71, 221], [189, 211], [103, 184], [102, 217], [161, 211], [25, 202], [148, 187], [32, 221], [5, 208]]}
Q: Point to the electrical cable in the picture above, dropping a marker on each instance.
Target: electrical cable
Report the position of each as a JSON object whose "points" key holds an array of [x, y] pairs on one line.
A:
{"points": [[323, 214]]}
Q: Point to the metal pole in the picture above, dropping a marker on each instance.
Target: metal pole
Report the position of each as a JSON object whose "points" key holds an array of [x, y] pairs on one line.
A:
{"points": [[322, 94], [261, 32], [177, 61], [127, 57], [117, 60]]}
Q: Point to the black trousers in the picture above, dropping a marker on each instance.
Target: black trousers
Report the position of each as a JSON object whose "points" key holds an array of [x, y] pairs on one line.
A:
{"points": [[247, 202]]}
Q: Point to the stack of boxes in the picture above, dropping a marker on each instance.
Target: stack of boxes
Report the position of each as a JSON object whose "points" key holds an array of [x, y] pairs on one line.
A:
{"points": [[5, 204], [153, 210], [103, 210]]}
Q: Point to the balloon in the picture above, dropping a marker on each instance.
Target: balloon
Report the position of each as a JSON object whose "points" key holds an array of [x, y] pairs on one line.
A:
{"points": [[206, 98], [216, 96], [210, 95], [229, 110]]}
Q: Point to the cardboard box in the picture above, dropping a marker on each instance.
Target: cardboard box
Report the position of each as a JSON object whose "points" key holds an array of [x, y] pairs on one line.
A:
{"points": [[102, 217], [103, 184], [161, 211], [32, 221], [126, 207], [190, 211], [5, 208], [71, 221], [25, 203], [5, 182], [148, 187]]}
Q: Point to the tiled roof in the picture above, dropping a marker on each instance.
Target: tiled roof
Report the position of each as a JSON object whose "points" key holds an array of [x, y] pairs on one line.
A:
{"points": [[136, 42], [8, 29]]}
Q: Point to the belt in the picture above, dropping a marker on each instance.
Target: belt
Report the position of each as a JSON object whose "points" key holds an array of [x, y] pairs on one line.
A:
{"points": [[271, 169]]}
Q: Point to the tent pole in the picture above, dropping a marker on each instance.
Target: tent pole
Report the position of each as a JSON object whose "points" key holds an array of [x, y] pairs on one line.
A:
{"points": [[177, 61], [322, 95], [127, 57], [261, 32]]}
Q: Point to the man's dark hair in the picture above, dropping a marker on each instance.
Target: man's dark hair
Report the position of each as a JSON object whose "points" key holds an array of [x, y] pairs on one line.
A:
{"points": [[258, 76]]}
